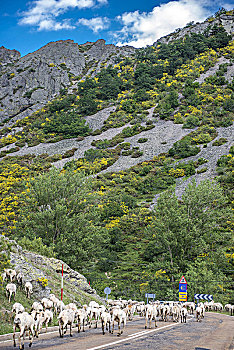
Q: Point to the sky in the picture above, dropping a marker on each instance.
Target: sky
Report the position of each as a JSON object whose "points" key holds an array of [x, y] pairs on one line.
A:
{"points": [[28, 25]]}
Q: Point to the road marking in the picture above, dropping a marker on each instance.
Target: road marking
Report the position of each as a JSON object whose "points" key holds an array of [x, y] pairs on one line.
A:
{"points": [[5, 341], [130, 335], [139, 335]]}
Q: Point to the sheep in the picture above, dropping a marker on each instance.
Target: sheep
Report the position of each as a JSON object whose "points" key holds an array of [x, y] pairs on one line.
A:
{"points": [[65, 318], [106, 320], [28, 289], [37, 316], [36, 306], [165, 312], [4, 276], [217, 307], [151, 314], [11, 274], [93, 304], [17, 308], [231, 309], [59, 306], [71, 306], [227, 307], [198, 313], [183, 314], [201, 305], [10, 291], [46, 318], [192, 307], [175, 313], [93, 312], [130, 309], [55, 302], [119, 316], [140, 308], [24, 322], [47, 303], [81, 315], [19, 278]]}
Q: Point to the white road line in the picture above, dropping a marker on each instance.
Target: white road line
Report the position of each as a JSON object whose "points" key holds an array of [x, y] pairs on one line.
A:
{"points": [[130, 335], [10, 340], [133, 336]]}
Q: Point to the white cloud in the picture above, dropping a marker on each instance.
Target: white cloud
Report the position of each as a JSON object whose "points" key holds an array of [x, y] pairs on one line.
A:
{"points": [[96, 24], [141, 29], [50, 24], [43, 13]]}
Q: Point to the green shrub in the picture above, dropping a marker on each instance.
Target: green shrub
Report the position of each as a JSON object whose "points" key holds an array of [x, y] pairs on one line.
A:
{"points": [[219, 142], [202, 170], [36, 245], [191, 122], [142, 140], [183, 149], [137, 154], [69, 153], [126, 153]]}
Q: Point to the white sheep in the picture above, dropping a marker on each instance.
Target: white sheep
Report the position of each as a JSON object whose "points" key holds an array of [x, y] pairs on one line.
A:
{"points": [[119, 316], [140, 308], [183, 314], [4, 276], [198, 313], [46, 318], [81, 316], [24, 322], [151, 313], [59, 306], [106, 320], [55, 302], [93, 304], [17, 308], [71, 306], [36, 306], [47, 303], [37, 316], [93, 312], [65, 318], [175, 313], [28, 289], [10, 291], [11, 274], [130, 309], [19, 278], [165, 311]]}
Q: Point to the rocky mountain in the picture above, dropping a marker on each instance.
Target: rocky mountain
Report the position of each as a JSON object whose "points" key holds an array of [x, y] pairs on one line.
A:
{"points": [[27, 83], [224, 19]]}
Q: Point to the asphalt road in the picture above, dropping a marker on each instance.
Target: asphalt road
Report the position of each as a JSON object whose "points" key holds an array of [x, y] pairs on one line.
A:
{"points": [[215, 332]]}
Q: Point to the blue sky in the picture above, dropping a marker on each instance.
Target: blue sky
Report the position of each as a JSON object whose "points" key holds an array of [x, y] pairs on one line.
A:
{"points": [[28, 25]]}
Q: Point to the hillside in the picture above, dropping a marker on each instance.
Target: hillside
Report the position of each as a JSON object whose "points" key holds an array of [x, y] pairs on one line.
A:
{"points": [[127, 131]]}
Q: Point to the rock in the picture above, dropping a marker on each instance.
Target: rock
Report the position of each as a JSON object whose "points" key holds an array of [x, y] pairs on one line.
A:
{"points": [[39, 76], [35, 266]]}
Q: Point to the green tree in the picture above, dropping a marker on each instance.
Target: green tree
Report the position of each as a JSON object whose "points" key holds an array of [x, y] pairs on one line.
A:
{"points": [[62, 211], [183, 232]]}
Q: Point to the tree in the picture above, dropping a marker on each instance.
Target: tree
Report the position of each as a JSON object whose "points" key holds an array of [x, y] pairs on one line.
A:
{"points": [[62, 211], [183, 232]]}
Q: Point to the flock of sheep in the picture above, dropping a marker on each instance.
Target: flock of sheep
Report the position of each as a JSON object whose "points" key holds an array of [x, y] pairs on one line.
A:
{"points": [[119, 311]]}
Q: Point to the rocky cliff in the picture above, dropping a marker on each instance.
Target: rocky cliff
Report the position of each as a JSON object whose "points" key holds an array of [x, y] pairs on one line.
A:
{"points": [[35, 266], [224, 20], [27, 83]]}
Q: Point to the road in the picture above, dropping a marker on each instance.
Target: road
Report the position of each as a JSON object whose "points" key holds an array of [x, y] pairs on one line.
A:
{"points": [[215, 332]]}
